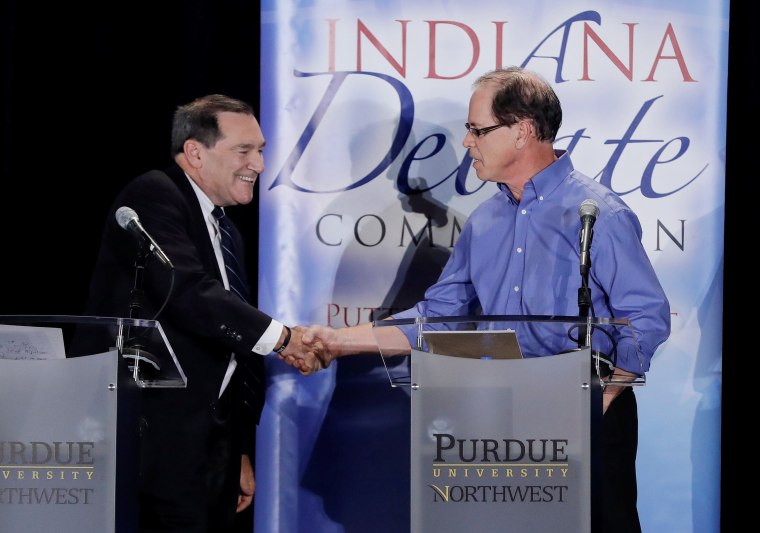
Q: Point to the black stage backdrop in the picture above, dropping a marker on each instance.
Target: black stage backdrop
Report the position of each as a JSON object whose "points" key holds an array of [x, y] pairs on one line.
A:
{"points": [[87, 98]]}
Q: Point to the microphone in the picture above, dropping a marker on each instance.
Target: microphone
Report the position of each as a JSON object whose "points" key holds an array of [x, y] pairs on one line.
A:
{"points": [[588, 212], [127, 219]]}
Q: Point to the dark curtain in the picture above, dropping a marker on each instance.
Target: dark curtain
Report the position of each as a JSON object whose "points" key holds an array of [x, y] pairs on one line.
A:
{"points": [[87, 102]]}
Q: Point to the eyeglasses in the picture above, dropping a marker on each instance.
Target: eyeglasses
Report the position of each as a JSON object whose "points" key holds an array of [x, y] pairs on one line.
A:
{"points": [[479, 132]]}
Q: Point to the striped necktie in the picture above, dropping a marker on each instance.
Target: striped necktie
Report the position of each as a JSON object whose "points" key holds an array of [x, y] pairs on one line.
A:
{"points": [[229, 236], [252, 376]]}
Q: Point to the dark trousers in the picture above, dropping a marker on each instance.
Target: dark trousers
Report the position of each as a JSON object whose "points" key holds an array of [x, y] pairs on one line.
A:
{"points": [[193, 488], [619, 444]]}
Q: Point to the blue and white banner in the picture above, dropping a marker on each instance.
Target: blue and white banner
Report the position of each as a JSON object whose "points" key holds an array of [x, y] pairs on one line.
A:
{"points": [[368, 185]]}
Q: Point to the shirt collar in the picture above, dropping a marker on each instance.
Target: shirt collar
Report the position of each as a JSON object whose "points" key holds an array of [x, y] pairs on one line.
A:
{"points": [[547, 180], [206, 204]]}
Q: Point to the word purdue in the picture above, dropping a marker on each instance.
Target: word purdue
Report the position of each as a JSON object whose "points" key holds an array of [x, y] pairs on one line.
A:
{"points": [[13, 453], [498, 450]]}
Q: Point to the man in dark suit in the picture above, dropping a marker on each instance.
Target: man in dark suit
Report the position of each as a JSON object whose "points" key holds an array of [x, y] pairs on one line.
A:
{"points": [[197, 443]]}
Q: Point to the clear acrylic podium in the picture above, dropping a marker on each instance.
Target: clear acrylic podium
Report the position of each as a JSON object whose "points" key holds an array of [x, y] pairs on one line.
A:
{"points": [[69, 419], [505, 436]]}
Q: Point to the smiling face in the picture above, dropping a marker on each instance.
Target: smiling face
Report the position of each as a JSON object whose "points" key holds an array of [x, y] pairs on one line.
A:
{"points": [[495, 153], [227, 171]]}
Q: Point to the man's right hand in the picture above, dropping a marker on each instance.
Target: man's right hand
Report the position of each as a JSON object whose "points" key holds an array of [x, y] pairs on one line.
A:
{"points": [[310, 349]]}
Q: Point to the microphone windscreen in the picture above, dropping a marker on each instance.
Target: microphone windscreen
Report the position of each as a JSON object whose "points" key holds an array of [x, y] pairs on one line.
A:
{"points": [[589, 207], [124, 215]]}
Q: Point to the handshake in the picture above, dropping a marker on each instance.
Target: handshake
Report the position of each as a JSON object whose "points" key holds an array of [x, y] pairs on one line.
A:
{"points": [[314, 347], [311, 348]]}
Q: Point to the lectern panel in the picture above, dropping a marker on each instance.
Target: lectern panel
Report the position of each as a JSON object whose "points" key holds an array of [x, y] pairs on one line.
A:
{"points": [[58, 444], [501, 445]]}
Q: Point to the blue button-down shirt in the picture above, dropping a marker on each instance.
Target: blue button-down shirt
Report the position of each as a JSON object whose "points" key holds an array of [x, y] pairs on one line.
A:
{"points": [[522, 258]]}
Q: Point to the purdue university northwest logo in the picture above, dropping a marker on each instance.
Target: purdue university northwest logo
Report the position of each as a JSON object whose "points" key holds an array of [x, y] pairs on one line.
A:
{"points": [[499, 470], [46, 473]]}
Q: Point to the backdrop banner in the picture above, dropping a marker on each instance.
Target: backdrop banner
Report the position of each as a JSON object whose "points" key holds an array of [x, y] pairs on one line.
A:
{"points": [[368, 186]]}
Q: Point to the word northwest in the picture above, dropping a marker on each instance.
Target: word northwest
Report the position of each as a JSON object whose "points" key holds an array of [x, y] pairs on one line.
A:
{"points": [[48, 496], [499, 494]]}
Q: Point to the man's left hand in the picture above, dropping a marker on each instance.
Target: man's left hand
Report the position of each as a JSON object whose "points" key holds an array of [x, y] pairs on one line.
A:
{"points": [[247, 483]]}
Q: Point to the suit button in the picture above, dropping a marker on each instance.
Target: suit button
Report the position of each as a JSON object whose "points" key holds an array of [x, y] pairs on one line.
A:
{"points": [[238, 337]]}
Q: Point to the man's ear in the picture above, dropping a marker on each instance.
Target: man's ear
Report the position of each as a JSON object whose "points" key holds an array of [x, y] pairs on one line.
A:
{"points": [[524, 133], [192, 150]]}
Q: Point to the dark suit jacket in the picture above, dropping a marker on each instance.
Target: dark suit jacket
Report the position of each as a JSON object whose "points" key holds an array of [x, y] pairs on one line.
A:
{"points": [[203, 322]]}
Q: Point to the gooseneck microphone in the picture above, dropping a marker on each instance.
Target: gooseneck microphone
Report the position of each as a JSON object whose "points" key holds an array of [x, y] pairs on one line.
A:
{"points": [[588, 212], [128, 219]]}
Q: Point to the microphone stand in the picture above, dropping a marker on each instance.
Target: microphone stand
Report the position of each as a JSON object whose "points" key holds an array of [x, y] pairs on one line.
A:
{"points": [[136, 295], [584, 304], [132, 349], [588, 212], [585, 330]]}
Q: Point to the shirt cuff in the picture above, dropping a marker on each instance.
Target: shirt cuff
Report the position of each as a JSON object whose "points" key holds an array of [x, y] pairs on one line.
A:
{"points": [[269, 339], [629, 358]]}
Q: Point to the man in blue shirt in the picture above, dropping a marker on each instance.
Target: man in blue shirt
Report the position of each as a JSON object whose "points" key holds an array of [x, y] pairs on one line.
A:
{"points": [[518, 254]]}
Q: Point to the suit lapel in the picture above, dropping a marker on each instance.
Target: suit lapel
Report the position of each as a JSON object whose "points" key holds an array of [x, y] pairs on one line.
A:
{"points": [[197, 223]]}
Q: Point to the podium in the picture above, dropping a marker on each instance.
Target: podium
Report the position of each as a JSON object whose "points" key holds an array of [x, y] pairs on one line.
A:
{"points": [[69, 423], [504, 438]]}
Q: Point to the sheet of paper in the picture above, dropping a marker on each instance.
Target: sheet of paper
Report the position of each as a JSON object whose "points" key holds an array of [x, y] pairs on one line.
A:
{"points": [[495, 344], [28, 342]]}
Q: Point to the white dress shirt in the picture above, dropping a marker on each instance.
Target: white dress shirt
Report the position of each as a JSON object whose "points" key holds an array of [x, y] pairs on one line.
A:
{"points": [[271, 336]]}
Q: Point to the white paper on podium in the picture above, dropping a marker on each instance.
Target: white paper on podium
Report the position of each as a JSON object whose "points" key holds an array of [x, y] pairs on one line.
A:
{"points": [[29, 342]]}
